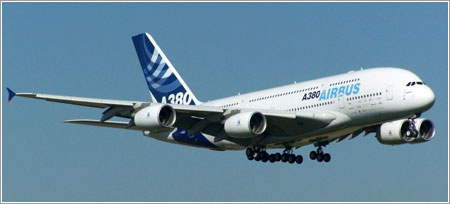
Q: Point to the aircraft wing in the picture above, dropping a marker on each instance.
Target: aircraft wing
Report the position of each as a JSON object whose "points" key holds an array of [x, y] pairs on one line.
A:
{"points": [[280, 123], [113, 124], [90, 102], [119, 108]]}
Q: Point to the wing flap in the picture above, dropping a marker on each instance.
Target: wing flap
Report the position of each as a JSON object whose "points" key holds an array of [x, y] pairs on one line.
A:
{"points": [[197, 110]]}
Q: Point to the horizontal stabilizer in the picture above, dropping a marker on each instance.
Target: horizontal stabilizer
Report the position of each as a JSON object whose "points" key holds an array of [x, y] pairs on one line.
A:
{"points": [[113, 124]]}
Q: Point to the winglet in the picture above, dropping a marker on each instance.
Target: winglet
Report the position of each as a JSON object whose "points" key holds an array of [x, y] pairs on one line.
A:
{"points": [[11, 94]]}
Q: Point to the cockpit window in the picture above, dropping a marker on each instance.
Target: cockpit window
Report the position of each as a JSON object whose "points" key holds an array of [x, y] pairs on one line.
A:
{"points": [[414, 83]]}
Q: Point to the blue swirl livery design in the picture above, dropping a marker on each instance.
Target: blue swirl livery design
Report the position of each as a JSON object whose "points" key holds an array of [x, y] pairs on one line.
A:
{"points": [[163, 81]]}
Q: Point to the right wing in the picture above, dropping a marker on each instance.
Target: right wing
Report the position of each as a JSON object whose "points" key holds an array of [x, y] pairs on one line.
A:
{"points": [[90, 102], [113, 124], [207, 119]]}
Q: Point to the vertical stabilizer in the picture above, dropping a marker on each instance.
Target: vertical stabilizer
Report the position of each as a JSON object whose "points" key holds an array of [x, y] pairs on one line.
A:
{"points": [[163, 81]]}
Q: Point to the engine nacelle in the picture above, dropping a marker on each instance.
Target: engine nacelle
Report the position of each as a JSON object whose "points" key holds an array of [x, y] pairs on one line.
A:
{"points": [[245, 125], [426, 130], [155, 117], [399, 132]]}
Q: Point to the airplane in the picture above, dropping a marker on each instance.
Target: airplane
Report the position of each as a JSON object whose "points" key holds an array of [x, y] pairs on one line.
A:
{"points": [[386, 101]]}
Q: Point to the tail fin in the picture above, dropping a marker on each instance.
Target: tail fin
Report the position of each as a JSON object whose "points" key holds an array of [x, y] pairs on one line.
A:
{"points": [[163, 81]]}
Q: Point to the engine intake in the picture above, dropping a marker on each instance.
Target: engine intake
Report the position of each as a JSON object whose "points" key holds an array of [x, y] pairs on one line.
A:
{"points": [[426, 130], [155, 117], [245, 125]]}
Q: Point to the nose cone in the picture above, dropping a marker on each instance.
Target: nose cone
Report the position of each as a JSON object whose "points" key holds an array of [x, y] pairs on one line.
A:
{"points": [[427, 98]]}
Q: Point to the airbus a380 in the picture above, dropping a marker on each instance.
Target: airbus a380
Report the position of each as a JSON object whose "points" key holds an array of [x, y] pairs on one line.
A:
{"points": [[386, 101]]}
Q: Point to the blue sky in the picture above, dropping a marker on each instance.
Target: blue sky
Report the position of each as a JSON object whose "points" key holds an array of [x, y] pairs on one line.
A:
{"points": [[220, 49]]}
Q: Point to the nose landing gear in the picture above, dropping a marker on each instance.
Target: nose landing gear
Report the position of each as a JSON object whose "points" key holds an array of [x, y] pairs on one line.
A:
{"points": [[412, 130]]}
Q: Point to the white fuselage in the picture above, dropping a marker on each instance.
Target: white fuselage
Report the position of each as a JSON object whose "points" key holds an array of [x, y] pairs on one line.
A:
{"points": [[359, 98]]}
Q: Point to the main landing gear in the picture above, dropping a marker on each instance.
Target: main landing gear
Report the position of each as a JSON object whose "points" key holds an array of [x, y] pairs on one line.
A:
{"points": [[260, 154], [319, 155]]}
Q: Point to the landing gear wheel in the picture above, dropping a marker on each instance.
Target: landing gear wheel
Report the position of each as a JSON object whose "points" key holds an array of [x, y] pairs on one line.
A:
{"points": [[277, 157], [265, 157], [291, 158], [320, 157], [299, 159], [326, 157], [313, 155], [250, 157], [257, 156], [272, 158], [284, 157], [249, 152]]}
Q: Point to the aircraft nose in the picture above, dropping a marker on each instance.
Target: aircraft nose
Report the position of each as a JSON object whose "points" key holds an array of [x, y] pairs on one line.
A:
{"points": [[428, 97]]}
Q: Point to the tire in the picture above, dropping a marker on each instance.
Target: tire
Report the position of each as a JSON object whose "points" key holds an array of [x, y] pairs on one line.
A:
{"points": [[272, 158], [265, 154], [258, 156], [326, 157], [249, 152], [319, 157], [313, 155], [265, 158], [277, 157], [250, 157], [299, 159], [284, 157], [291, 158]]}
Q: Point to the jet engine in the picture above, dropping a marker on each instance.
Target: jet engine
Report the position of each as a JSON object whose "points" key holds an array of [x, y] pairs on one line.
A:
{"points": [[402, 131], [426, 130], [155, 117], [245, 125]]}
